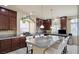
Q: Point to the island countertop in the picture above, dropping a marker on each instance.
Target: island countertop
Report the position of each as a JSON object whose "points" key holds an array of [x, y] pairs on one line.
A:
{"points": [[43, 42]]}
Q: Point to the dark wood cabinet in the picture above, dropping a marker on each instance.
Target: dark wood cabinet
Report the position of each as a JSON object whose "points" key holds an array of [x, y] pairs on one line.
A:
{"points": [[4, 22], [18, 43], [8, 19], [12, 13], [15, 43], [63, 22], [13, 23], [5, 46], [8, 45], [4, 11], [22, 42], [47, 24]]}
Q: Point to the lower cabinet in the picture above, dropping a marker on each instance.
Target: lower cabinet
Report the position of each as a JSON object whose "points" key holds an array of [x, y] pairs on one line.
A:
{"points": [[22, 42], [18, 43], [15, 43], [5, 46], [12, 44]]}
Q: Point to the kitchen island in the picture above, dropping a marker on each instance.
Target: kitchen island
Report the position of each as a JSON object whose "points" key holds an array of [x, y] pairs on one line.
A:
{"points": [[39, 44]]}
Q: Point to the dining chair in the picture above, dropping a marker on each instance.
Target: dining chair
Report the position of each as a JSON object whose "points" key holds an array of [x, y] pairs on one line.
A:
{"points": [[57, 48]]}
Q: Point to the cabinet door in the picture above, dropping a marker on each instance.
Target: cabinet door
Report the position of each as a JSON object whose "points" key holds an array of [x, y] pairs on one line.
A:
{"points": [[47, 24], [3, 11], [18, 43], [13, 23], [5, 46], [22, 42], [4, 22], [12, 13], [15, 43], [63, 22], [8, 19]]}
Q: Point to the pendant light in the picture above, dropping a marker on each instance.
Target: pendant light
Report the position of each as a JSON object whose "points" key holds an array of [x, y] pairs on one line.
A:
{"points": [[42, 26], [51, 12]]}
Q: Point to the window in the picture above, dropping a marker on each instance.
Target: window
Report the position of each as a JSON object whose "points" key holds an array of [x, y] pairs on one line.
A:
{"points": [[24, 26]]}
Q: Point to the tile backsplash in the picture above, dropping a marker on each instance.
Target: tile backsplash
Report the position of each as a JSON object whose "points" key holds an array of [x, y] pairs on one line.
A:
{"points": [[7, 33]]}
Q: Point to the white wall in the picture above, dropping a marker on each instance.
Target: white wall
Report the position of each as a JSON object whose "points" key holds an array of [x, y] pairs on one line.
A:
{"points": [[19, 15], [32, 27], [68, 26]]}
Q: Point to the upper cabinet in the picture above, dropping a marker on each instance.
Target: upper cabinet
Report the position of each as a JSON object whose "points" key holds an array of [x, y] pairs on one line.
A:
{"points": [[63, 22], [4, 11], [4, 22], [13, 23], [47, 23], [8, 19], [12, 14]]}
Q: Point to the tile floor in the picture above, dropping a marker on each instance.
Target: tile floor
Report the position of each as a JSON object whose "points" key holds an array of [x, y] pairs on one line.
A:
{"points": [[72, 49]]}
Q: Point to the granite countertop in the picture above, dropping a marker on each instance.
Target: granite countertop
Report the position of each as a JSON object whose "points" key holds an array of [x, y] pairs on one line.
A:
{"points": [[9, 37], [43, 42]]}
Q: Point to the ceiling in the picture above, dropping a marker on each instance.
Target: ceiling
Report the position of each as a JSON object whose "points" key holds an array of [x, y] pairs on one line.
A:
{"points": [[46, 11]]}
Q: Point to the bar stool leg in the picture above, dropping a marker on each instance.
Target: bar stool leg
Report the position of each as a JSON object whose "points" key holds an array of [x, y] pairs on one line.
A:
{"points": [[27, 50], [65, 50], [31, 51]]}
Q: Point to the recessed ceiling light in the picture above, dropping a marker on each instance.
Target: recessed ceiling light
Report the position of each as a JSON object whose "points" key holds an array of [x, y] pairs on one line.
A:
{"points": [[3, 10], [5, 5], [31, 13]]}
